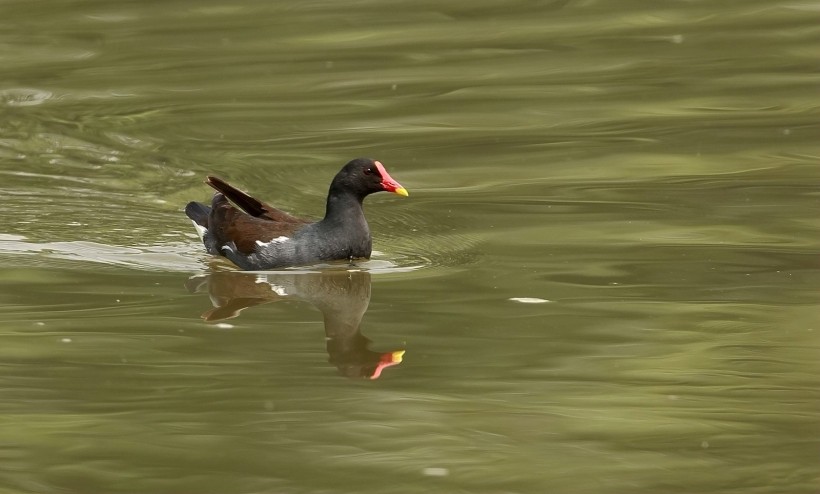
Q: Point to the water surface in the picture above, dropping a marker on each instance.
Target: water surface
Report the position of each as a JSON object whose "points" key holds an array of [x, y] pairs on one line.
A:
{"points": [[604, 279]]}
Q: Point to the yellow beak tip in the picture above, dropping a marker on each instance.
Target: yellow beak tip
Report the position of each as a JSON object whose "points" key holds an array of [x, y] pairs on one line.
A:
{"points": [[401, 191]]}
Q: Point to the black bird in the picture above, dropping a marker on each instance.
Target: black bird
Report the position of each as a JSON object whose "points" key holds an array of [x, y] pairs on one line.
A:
{"points": [[257, 236]]}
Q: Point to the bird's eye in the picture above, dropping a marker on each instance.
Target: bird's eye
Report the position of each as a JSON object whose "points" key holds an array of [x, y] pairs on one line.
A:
{"points": [[369, 171]]}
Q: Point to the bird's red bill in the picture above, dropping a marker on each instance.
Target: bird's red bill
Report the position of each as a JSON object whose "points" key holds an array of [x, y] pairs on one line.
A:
{"points": [[388, 183]]}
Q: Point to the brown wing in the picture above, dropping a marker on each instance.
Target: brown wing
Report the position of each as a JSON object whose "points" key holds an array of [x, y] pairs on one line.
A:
{"points": [[250, 205], [228, 224]]}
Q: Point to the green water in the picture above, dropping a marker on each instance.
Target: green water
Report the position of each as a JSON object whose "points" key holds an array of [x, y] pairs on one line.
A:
{"points": [[604, 279]]}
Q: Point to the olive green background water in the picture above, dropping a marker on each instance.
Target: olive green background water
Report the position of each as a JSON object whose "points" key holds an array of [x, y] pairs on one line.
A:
{"points": [[605, 277]]}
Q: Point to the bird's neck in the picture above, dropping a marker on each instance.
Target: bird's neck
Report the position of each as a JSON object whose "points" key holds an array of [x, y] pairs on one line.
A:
{"points": [[344, 208], [345, 225]]}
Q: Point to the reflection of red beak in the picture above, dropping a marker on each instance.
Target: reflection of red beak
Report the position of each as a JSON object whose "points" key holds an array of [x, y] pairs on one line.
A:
{"points": [[387, 360], [388, 183]]}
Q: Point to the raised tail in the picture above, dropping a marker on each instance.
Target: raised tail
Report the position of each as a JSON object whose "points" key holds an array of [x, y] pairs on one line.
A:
{"points": [[245, 202], [253, 207]]}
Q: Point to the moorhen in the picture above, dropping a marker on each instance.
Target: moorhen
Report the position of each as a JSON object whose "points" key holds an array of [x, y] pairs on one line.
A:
{"points": [[257, 236]]}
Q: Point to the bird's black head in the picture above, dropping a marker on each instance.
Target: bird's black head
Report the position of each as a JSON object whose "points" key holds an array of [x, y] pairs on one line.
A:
{"points": [[364, 176]]}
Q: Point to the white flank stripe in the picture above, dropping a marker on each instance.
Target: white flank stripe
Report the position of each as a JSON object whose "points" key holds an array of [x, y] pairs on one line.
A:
{"points": [[277, 240]]}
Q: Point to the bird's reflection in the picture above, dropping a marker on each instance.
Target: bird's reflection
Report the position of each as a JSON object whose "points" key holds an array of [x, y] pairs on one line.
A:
{"points": [[341, 296]]}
